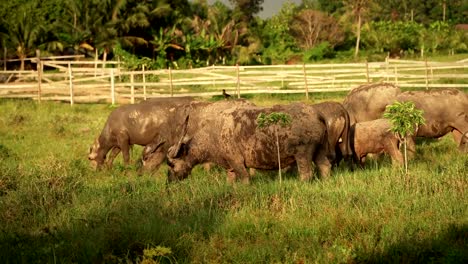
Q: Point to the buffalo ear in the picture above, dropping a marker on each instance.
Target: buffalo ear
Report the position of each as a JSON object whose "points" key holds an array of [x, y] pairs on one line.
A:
{"points": [[180, 149]]}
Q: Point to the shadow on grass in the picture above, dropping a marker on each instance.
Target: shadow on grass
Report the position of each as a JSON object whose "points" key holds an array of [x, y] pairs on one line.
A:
{"points": [[119, 227], [448, 247]]}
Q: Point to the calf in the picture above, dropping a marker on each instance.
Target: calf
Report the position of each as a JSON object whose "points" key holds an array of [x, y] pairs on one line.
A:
{"points": [[375, 137]]}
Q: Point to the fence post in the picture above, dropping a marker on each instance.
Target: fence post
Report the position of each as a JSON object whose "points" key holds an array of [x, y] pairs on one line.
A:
{"points": [[238, 81], [144, 83], [39, 74], [112, 86], [4, 59], [170, 79], [70, 78], [132, 89], [367, 71], [386, 68], [282, 77], [427, 75], [305, 81], [396, 75], [214, 79], [95, 62]]}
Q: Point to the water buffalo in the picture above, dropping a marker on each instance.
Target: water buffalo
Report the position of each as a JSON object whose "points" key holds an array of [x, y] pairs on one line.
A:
{"points": [[154, 120], [155, 152], [445, 110], [231, 139], [338, 124], [375, 137]]}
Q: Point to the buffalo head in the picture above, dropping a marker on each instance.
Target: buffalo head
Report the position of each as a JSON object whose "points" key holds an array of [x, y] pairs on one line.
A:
{"points": [[463, 147], [153, 155], [93, 155], [177, 159]]}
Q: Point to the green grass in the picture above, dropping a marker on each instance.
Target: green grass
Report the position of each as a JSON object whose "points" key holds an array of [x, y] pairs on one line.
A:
{"points": [[55, 208]]}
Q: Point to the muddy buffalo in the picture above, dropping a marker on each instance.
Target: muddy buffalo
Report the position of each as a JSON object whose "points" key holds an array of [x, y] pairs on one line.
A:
{"points": [[231, 139], [155, 120], [155, 152]]}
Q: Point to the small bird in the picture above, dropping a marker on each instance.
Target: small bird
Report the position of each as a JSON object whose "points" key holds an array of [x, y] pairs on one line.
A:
{"points": [[226, 95]]}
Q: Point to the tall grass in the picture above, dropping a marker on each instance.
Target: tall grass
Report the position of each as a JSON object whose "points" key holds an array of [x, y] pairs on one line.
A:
{"points": [[55, 209]]}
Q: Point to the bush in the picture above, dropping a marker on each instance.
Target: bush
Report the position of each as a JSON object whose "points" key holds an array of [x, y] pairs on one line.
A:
{"points": [[322, 51]]}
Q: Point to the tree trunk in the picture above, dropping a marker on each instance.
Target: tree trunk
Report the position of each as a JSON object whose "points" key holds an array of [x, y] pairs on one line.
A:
{"points": [[358, 36], [405, 155], [22, 57], [279, 157]]}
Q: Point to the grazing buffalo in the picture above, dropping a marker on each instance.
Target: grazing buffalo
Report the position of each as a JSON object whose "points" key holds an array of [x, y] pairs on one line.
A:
{"points": [[155, 152], [338, 124], [445, 110], [375, 137], [231, 139], [155, 120]]}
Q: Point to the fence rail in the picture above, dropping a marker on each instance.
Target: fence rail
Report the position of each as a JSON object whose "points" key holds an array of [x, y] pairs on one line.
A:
{"points": [[96, 81]]}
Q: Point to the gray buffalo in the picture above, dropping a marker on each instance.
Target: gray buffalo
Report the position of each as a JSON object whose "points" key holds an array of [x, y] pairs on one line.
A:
{"points": [[368, 102], [151, 121], [231, 139], [375, 137], [445, 110]]}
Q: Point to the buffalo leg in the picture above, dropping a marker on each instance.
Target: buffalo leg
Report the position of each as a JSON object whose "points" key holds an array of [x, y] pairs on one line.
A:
{"points": [[461, 140], [304, 167], [113, 153], [239, 170], [323, 164], [125, 148], [391, 147]]}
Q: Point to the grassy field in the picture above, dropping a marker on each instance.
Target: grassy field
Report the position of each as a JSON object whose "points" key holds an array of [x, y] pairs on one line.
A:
{"points": [[55, 209]]}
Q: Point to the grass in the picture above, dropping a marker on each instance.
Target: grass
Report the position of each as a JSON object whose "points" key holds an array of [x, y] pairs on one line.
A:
{"points": [[55, 208]]}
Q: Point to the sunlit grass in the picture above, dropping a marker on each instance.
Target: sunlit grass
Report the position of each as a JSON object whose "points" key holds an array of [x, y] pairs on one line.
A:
{"points": [[55, 208]]}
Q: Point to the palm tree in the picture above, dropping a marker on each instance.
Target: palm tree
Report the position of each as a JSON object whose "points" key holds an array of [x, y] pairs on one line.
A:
{"points": [[24, 30], [357, 9]]}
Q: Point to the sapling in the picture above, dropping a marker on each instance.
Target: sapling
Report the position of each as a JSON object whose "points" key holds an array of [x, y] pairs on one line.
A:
{"points": [[275, 119], [405, 119]]}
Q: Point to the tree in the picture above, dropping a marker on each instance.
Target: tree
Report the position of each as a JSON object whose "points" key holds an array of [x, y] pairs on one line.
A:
{"points": [[275, 119], [311, 27], [24, 28], [357, 9], [405, 119], [247, 8]]}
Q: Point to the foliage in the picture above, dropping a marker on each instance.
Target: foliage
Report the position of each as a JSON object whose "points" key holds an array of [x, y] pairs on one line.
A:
{"points": [[274, 118], [183, 33], [404, 117], [387, 36], [321, 51], [278, 44], [132, 62]]}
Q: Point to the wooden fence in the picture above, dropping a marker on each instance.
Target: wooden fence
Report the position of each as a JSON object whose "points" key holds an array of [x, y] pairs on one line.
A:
{"points": [[96, 81]]}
